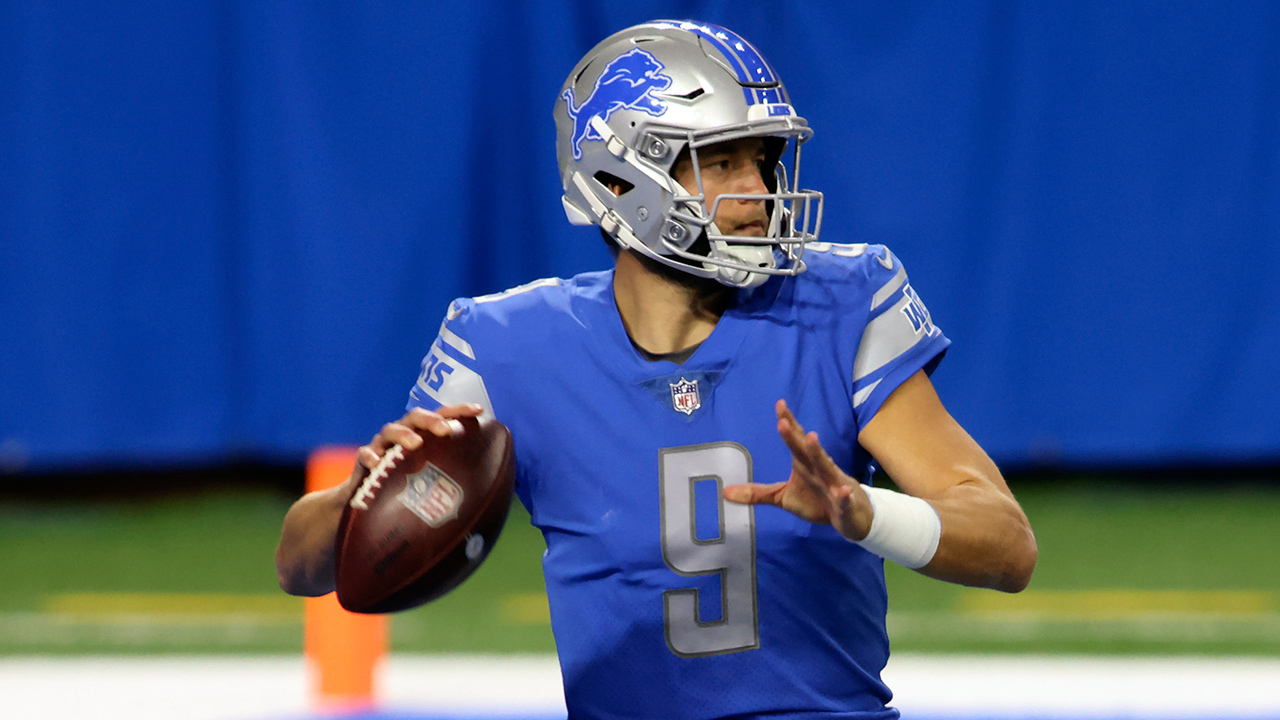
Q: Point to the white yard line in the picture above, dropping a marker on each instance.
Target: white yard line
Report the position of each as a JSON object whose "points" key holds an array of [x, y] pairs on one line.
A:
{"points": [[152, 688], [1051, 686], [276, 688]]}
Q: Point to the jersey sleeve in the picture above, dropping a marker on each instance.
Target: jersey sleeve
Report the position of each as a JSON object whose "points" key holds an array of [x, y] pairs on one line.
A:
{"points": [[899, 339], [451, 373]]}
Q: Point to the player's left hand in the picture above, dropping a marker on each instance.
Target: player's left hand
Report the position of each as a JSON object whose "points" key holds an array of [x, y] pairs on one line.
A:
{"points": [[818, 490]]}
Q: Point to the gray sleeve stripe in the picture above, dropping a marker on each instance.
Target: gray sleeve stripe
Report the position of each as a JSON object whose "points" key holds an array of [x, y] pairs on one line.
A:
{"points": [[462, 385], [452, 340], [885, 338], [862, 395], [889, 288]]}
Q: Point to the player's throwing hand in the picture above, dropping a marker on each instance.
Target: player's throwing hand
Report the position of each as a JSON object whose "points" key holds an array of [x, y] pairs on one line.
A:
{"points": [[818, 490], [409, 431]]}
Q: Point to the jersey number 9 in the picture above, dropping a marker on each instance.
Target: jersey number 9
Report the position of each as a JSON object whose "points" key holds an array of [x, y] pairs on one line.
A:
{"points": [[731, 554]]}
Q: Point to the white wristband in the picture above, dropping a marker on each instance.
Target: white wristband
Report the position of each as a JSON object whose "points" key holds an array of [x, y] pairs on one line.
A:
{"points": [[904, 529]]}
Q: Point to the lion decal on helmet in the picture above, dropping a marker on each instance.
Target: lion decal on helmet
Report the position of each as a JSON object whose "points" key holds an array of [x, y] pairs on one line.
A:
{"points": [[626, 82]]}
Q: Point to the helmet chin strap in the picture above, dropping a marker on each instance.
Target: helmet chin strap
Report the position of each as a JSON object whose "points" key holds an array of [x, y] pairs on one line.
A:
{"points": [[749, 255]]}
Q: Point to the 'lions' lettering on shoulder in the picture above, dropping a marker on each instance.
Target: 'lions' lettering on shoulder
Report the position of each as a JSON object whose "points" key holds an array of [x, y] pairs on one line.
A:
{"points": [[917, 314]]}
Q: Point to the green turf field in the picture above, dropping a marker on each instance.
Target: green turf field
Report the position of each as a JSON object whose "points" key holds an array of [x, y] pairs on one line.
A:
{"points": [[1122, 570]]}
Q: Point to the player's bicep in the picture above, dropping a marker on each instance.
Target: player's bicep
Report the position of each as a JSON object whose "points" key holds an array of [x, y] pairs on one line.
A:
{"points": [[918, 444]]}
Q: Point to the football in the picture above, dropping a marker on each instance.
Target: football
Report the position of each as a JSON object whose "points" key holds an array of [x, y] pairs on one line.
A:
{"points": [[422, 521]]}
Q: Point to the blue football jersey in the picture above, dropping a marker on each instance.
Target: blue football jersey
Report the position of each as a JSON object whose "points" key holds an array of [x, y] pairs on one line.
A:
{"points": [[667, 601]]}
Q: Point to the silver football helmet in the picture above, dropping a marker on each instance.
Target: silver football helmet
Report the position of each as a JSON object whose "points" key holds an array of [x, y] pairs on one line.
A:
{"points": [[649, 93]]}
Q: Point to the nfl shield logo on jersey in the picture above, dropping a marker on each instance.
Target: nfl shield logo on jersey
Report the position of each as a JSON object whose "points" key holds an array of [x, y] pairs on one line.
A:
{"points": [[684, 396]]}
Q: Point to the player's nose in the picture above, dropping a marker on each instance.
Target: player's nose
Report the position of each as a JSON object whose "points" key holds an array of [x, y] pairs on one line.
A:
{"points": [[749, 180]]}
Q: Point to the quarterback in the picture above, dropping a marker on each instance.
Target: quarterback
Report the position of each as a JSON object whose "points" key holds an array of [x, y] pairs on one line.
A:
{"points": [[695, 428]]}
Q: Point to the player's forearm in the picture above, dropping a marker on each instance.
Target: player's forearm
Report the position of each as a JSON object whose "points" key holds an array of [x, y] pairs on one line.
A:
{"points": [[986, 539], [304, 557]]}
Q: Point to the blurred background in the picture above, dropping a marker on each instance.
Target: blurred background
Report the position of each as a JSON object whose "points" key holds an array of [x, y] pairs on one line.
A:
{"points": [[229, 231]]}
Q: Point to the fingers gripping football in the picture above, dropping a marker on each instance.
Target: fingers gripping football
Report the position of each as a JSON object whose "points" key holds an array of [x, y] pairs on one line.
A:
{"points": [[408, 433], [425, 516]]}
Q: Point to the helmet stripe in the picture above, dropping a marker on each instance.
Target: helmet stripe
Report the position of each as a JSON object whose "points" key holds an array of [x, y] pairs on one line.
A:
{"points": [[749, 64]]}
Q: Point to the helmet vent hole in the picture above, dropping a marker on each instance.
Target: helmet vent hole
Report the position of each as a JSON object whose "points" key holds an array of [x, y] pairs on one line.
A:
{"points": [[615, 184], [694, 93]]}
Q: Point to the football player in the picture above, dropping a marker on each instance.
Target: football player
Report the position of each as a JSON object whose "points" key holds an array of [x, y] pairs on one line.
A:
{"points": [[695, 428]]}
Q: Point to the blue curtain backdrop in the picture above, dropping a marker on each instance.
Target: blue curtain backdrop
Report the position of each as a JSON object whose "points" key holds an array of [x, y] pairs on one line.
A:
{"points": [[228, 230]]}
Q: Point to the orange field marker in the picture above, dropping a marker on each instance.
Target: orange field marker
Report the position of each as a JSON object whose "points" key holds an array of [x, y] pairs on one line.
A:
{"points": [[343, 649]]}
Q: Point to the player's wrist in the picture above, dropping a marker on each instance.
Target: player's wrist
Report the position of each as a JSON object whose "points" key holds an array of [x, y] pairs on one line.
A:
{"points": [[904, 529], [860, 515]]}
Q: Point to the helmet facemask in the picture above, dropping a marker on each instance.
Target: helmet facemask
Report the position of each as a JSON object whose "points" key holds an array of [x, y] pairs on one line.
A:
{"points": [[794, 215]]}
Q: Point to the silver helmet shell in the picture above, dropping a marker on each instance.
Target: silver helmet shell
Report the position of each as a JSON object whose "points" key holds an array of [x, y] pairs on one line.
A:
{"points": [[649, 93]]}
